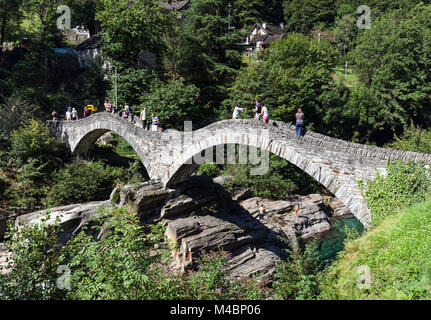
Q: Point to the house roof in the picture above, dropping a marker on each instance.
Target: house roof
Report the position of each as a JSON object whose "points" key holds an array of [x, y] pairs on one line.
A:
{"points": [[270, 28], [273, 37], [94, 42]]}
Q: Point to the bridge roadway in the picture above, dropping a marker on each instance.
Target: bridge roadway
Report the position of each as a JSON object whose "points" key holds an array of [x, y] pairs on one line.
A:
{"points": [[172, 156]]}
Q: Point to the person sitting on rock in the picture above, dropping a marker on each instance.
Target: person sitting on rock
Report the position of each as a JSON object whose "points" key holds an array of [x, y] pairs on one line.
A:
{"points": [[296, 208], [261, 214]]}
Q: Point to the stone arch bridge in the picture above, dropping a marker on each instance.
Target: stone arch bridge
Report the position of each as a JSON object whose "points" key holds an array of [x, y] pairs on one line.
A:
{"points": [[337, 164]]}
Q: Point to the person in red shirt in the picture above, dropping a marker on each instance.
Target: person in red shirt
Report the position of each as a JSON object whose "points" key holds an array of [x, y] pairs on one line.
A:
{"points": [[87, 112]]}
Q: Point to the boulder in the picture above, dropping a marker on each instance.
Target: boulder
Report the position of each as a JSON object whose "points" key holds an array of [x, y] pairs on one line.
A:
{"points": [[249, 260], [146, 198], [71, 217], [184, 205], [339, 209]]}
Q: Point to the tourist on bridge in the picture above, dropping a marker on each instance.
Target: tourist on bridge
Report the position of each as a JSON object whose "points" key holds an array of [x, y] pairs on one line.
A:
{"points": [[154, 123], [114, 108], [237, 110], [68, 114], [108, 106], [54, 115], [87, 112], [264, 113], [299, 122], [257, 110], [143, 117], [126, 112], [74, 114]]}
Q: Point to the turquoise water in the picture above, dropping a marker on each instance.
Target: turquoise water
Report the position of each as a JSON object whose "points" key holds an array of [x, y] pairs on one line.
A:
{"points": [[332, 243]]}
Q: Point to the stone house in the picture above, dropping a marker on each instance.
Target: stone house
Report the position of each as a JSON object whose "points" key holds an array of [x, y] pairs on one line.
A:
{"points": [[261, 35]]}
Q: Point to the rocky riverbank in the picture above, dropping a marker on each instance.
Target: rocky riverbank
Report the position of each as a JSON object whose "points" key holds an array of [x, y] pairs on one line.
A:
{"points": [[202, 216]]}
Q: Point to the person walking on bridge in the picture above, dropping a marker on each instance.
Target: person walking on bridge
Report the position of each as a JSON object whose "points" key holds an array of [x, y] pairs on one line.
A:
{"points": [[143, 117], [87, 112], [299, 122], [154, 123], [74, 114], [264, 113], [257, 110], [237, 110]]}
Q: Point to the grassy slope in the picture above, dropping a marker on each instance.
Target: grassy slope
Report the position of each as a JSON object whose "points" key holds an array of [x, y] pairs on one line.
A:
{"points": [[398, 253]]}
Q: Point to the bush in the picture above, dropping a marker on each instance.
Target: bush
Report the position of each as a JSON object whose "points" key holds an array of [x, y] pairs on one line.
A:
{"points": [[121, 265], [298, 276], [413, 139], [36, 254], [209, 169], [81, 181], [405, 183]]}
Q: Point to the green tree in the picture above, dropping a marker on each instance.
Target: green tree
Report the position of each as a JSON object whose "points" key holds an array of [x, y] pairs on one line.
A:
{"points": [[393, 58], [131, 28], [303, 16], [173, 102], [211, 57]]}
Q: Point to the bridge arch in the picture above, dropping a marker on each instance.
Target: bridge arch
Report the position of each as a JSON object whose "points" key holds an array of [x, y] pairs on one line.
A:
{"points": [[81, 136], [342, 184]]}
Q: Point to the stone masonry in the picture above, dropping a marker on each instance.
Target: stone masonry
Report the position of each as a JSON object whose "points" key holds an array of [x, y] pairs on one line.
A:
{"points": [[171, 156]]}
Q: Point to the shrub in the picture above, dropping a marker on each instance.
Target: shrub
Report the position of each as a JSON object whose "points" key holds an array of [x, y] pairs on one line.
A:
{"points": [[298, 276], [209, 169], [36, 255], [405, 183], [413, 139], [81, 181]]}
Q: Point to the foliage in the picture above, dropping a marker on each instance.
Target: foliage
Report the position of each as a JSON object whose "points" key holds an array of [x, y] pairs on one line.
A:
{"points": [[13, 112], [413, 139], [173, 102], [33, 141], [396, 253], [404, 184], [131, 28], [210, 54], [393, 58], [281, 181], [298, 276], [36, 254], [294, 73], [83, 182], [120, 265], [303, 16], [210, 169]]}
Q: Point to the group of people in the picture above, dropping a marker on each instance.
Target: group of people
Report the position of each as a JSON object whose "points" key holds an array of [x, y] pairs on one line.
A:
{"points": [[262, 114], [71, 114], [260, 110], [156, 124]]}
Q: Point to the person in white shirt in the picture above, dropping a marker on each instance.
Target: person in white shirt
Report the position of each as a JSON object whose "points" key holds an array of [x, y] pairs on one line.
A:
{"points": [[143, 117], [264, 113], [68, 115], [74, 114], [237, 110]]}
